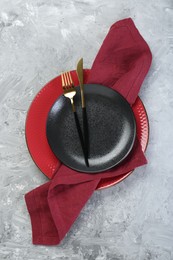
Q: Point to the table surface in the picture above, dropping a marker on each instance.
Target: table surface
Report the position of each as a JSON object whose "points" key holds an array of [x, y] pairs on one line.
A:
{"points": [[38, 40]]}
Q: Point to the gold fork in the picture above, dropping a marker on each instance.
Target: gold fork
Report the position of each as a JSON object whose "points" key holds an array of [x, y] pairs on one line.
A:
{"points": [[69, 92], [68, 88]]}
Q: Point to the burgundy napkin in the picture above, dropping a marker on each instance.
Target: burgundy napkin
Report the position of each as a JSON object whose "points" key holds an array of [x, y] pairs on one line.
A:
{"points": [[122, 64]]}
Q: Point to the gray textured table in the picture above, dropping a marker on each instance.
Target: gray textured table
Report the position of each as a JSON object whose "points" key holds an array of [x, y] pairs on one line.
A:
{"points": [[38, 39]]}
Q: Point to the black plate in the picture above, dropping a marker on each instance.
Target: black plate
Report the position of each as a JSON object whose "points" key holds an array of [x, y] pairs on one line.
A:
{"points": [[112, 129]]}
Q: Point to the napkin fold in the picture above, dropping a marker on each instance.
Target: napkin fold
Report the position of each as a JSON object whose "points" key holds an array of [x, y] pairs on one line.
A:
{"points": [[122, 64]]}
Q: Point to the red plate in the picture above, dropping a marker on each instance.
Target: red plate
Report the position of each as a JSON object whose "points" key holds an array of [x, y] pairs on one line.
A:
{"points": [[35, 129]]}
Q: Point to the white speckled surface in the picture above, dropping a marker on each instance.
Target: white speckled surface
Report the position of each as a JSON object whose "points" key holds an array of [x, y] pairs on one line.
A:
{"points": [[38, 39]]}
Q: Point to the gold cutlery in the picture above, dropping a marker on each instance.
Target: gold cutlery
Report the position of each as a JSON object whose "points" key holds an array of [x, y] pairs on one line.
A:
{"points": [[68, 88]]}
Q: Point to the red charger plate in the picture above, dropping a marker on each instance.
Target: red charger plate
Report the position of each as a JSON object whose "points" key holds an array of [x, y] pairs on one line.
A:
{"points": [[35, 128]]}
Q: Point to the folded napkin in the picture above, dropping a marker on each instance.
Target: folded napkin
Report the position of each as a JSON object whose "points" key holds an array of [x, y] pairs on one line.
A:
{"points": [[122, 64]]}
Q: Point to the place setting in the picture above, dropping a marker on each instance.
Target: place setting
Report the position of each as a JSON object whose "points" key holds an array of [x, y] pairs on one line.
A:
{"points": [[43, 149], [86, 130]]}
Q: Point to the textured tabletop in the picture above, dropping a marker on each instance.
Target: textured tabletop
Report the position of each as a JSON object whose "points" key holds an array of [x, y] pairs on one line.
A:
{"points": [[38, 40]]}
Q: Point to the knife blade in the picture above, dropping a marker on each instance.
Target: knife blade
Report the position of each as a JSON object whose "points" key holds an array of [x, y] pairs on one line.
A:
{"points": [[80, 78]]}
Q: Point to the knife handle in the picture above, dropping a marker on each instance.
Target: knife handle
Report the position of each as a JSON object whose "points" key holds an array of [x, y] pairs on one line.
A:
{"points": [[85, 130], [81, 139]]}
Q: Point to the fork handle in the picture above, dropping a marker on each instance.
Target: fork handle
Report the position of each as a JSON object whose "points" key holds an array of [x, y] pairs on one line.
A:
{"points": [[73, 106], [81, 138]]}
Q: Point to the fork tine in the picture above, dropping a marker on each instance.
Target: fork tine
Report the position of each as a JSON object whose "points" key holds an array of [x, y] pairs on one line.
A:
{"points": [[70, 78], [65, 80], [62, 79]]}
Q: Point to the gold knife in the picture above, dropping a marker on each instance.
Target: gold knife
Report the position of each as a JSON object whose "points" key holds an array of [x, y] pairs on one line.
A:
{"points": [[84, 114], [80, 77]]}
